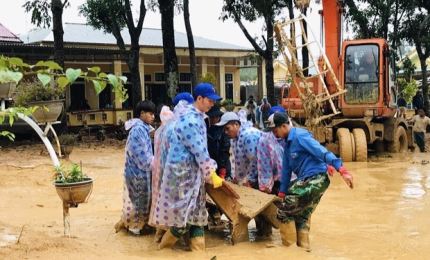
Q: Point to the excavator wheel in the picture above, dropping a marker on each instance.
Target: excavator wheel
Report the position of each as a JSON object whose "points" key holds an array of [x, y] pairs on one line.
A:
{"points": [[345, 144], [400, 142], [360, 145]]}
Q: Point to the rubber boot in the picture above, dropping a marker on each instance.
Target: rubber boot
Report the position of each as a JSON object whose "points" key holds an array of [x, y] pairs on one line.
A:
{"points": [[197, 244], [288, 233], [119, 225], [168, 240], [159, 235], [303, 239]]}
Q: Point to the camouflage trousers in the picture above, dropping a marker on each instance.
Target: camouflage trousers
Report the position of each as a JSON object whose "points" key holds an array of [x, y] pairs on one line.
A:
{"points": [[301, 200]]}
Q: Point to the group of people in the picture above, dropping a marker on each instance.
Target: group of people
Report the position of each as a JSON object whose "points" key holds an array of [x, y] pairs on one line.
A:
{"points": [[164, 184]]}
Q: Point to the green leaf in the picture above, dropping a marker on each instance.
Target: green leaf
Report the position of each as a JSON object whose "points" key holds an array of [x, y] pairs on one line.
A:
{"points": [[99, 86], [62, 82], [124, 79], [45, 79], [53, 65], [72, 74], [95, 69], [40, 63], [102, 75], [113, 80], [10, 76], [11, 120], [16, 62]]}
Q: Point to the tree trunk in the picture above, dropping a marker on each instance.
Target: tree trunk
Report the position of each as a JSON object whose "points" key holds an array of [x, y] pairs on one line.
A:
{"points": [[270, 85], [170, 58], [191, 48], [305, 54], [133, 65], [57, 24], [424, 84]]}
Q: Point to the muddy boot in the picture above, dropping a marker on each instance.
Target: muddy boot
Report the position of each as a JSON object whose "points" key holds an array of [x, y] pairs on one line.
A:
{"points": [[303, 239], [159, 235], [168, 240], [303, 236], [197, 244], [288, 233], [119, 225]]}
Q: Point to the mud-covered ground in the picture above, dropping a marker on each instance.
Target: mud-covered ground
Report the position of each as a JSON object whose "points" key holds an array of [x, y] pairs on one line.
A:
{"points": [[385, 216]]}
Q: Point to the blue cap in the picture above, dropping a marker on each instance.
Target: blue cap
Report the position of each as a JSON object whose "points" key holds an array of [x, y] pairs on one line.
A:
{"points": [[183, 96], [275, 109], [206, 90]]}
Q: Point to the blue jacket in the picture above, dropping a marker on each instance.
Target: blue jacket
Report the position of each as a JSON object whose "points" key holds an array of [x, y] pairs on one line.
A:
{"points": [[304, 156]]}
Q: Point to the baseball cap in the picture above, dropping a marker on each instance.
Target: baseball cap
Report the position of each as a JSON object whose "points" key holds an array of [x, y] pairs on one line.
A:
{"points": [[227, 117], [277, 119], [183, 96], [275, 109], [206, 90]]}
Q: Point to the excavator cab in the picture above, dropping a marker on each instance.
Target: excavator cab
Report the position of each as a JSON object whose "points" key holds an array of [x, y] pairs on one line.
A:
{"points": [[366, 75]]}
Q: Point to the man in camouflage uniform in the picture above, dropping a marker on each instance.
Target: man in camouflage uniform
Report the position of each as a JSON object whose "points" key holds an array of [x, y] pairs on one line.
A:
{"points": [[310, 161]]}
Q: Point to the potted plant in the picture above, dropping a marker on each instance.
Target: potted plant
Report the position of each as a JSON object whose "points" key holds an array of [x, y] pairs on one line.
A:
{"points": [[47, 99], [72, 185], [228, 104], [67, 142], [7, 89]]}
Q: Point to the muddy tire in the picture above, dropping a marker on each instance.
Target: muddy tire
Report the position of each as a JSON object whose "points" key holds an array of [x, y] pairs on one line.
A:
{"points": [[400, 142], [345, 144], [360, 145]]}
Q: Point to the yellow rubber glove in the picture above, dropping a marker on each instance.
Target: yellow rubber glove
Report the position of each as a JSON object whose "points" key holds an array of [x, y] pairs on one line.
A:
{"points": [[216, 180]]}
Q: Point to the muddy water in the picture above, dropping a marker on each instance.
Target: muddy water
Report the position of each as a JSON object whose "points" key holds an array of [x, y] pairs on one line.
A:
{"points": [[385, 216]]}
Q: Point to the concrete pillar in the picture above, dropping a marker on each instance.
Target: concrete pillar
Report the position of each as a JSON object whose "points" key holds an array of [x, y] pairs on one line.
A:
{"points": [[117, 70], [221, 77], [142, 75], [263, 78], [236, 86], [204, 66]]}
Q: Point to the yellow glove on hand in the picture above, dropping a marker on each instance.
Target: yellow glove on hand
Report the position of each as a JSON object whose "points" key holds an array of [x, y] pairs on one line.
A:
{"points": [[216, 180]]}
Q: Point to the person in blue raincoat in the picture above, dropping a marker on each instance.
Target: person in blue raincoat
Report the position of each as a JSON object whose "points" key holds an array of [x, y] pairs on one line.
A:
{"points": [[181, 205], [137, 173]]}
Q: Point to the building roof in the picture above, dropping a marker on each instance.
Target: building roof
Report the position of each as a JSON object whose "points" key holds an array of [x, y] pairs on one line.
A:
{"points": [[7, 36], [85, 34]]}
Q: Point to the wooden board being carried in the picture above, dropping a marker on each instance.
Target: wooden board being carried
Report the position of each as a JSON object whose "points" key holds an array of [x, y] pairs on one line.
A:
{"points": [[241, 204]]}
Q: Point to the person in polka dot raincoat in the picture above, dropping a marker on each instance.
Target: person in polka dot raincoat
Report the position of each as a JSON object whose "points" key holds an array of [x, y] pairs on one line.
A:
{"points": [[182, 102], [137, 173], [269, 158], [182, 197], [244, 147]]}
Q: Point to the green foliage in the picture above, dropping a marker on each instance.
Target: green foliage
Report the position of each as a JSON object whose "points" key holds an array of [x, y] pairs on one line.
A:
{"points": [[408, 69], [104, 15], [40, 11], [8, 135], [407, 89], [28, 91], [228, 104], [53, 79], [72, 175], [208, 78], [248, 74]]}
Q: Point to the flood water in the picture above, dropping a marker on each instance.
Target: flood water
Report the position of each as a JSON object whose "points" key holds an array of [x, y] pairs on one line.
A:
{"points": [[385, 216]]}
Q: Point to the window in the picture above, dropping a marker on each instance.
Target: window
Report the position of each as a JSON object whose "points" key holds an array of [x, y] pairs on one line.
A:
{"points": [[362, 74], [228, 86], [228, 77], [185, 77], [159, 77], [148, 78]]}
